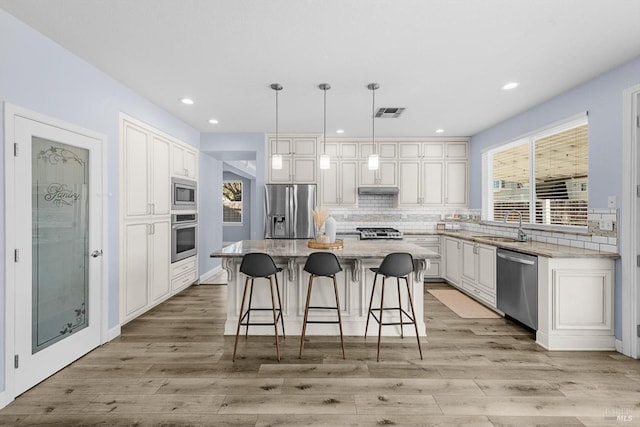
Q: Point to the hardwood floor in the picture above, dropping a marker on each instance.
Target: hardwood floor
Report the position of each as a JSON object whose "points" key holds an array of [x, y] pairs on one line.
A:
{"points": [[172, 366]]}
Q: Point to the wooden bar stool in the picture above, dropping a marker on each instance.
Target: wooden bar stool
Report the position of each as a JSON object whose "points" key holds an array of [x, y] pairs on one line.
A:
{"points": [[258, 265], [321, 264], [398, 265]]}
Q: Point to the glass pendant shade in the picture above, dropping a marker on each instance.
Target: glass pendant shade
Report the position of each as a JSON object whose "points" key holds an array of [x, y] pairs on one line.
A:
{"points": [[276, 161], [373, 162], [325, 161]]}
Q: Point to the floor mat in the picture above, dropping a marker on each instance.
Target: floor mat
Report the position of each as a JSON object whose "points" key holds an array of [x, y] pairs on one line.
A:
{"points": [[462, 305]]}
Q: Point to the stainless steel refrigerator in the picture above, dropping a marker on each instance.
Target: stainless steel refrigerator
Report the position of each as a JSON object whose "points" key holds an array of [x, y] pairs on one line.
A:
{"points": [[288, 211]]}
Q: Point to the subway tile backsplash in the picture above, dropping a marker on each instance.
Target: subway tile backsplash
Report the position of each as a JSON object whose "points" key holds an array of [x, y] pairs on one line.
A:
{"points": [[382, 211]]}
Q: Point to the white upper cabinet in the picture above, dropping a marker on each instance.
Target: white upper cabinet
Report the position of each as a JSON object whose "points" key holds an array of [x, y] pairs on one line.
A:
{"points": [[298, 159], [433, 173], [146, 158], [339, 184], [185, 161]]}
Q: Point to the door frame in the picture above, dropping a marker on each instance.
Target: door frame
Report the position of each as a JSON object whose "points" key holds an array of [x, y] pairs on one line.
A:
{"points": [[630, 210], [11, 111]]}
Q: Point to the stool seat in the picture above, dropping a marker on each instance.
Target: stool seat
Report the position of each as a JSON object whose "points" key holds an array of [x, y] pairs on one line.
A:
{"points": [[321, 264], [398, 265], [258, 265]]}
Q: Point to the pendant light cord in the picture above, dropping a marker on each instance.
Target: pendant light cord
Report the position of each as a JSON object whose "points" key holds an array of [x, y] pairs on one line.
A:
{"points": [[324, 132], [373, 121]]}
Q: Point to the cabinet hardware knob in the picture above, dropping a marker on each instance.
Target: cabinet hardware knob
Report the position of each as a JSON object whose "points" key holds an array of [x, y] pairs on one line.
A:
{"points": [[96, 253]]}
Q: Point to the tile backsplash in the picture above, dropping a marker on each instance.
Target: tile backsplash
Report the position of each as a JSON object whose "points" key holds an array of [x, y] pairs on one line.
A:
{"points": [[382, 211]]}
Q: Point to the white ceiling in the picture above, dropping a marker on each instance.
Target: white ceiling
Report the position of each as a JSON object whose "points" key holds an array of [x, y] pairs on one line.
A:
{"points": [[444, 60]]}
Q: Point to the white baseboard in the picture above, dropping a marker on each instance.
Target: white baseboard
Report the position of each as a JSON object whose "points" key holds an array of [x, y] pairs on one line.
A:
{"points": [[209, 274], [619, 346], [113, 333]]}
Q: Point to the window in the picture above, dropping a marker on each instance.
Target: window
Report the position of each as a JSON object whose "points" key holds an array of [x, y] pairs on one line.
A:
{"points": [[543, 176], [232, 202]]}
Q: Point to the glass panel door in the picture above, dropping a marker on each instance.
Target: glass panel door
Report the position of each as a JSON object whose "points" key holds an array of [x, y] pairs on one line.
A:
{"points": [[60, 241]]}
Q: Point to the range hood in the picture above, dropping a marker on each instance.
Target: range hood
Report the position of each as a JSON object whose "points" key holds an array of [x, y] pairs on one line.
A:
{"points": [[379, 190]]}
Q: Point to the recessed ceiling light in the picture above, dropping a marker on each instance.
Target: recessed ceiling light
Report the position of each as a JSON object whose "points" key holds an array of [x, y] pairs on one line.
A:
{"points": [[213, 121], [439, 130], [340, 131], [510, 85], [186, 100]]}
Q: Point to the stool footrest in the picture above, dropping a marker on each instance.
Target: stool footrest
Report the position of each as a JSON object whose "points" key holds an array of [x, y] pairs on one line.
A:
{"points": [[322, 308], [401, 322], [323, 321]]}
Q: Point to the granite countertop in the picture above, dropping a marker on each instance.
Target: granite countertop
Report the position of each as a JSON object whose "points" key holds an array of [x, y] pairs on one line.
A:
{"points": [[532, 247], [361, 249]]}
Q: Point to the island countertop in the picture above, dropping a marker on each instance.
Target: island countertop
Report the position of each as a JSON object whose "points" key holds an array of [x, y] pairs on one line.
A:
{"points": [[353, 249]]}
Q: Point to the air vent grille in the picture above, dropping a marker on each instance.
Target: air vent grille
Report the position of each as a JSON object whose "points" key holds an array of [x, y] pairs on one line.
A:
{"points": [[389, 112]]}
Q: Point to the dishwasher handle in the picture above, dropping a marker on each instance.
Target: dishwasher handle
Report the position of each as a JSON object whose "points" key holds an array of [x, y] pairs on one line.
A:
{"points": [[514, 259]]}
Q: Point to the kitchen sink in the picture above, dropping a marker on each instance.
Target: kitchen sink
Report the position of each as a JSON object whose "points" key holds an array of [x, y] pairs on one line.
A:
{"points": [[498, 238]]}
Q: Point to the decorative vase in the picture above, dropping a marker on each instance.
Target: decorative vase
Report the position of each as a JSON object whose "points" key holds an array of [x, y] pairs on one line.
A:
{"points": [[330, 229]]}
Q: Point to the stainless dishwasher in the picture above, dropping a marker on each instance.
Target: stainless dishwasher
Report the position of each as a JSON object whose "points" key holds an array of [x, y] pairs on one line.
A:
{"points": [[517, 286]]}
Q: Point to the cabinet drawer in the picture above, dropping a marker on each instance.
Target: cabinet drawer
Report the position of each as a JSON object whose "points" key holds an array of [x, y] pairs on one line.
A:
{"points": [[478, 293], [421, 240], [180, 267], [184, 280]]}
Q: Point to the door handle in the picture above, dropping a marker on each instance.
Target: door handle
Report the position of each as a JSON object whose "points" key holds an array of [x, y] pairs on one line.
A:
{"points": [[96, 253], [514, 259]]}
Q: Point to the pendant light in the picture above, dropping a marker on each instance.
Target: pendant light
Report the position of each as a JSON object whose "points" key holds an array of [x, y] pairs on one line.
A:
{"points": [[374, 159], [325, 161], [276, 159]]}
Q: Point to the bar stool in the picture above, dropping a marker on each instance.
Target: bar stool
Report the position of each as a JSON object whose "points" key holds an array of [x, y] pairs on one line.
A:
{"points": [[398, 265], [321, 264], [259, 265]]}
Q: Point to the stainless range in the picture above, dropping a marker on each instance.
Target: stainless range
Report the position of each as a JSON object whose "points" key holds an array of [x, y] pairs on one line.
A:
{"points": [[373, 233]]}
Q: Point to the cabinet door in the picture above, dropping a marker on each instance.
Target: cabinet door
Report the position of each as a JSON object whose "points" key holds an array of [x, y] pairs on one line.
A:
{"points": [[304, 147], [304, 169], [409, 150], [161, 181], [456, 183], [191, 163], [367, 177], [348, 182], [432, 183], [281, 175], [433, 150], [177, 160], [348, 150], [456, 150], [487, 268], [387, 173], [160, 260], [329, 194], [136, 170], [409, 179], [388, 150], [283, 147], [452, 260], [136, 269], [469, 261]]}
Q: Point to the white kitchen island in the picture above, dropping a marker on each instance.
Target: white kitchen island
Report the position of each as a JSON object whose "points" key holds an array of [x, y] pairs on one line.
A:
{"points": [[354, 286]]}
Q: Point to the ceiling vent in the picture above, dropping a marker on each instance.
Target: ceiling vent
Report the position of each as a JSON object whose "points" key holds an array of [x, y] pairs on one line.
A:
{"points": [[389, 112]]}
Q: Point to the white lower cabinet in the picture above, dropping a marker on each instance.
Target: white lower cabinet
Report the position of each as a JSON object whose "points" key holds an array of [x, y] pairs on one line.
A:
{"points": [[452, 257], [433, 243], [575, 303], [145, 267], [479, 271], [184, 273]]}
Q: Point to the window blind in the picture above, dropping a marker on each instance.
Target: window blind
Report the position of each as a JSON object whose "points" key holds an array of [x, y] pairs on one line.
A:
{"points": [[561, 170], [511, 181]]}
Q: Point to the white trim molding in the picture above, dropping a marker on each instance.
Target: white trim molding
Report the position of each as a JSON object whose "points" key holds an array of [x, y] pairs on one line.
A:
{"points": [[629, 229]]}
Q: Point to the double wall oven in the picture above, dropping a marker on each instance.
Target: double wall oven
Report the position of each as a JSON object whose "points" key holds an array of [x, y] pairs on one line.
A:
{"points": [[184, 236]]}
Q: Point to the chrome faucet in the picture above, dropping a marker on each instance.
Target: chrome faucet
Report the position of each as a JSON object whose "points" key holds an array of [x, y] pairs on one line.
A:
{"points": [[522, 236]]}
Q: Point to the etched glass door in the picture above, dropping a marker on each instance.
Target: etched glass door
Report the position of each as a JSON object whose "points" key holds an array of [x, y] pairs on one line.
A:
{"points": [[58, 195], [60, 238]]}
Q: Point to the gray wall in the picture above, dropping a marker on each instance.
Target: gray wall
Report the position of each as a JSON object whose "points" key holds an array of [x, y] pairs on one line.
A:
{"points": [[38, 74], [234, 233], [210, 213], [602, 98]]}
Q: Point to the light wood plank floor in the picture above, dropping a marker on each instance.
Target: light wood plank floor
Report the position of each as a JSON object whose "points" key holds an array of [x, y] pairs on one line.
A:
{"points": [[172, 366]]}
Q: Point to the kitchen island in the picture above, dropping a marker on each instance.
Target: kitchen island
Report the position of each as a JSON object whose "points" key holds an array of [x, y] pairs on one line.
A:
{"points": [[354, 285]]}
